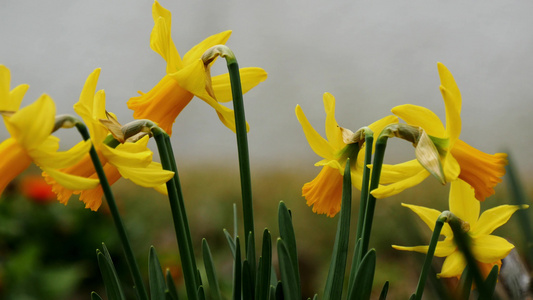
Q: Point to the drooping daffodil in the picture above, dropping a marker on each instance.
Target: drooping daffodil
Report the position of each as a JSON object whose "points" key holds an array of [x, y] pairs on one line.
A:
{"points": [[325, 191], [31, 140], [487, 249], [186, 78], [132, 161], [459, 160]]}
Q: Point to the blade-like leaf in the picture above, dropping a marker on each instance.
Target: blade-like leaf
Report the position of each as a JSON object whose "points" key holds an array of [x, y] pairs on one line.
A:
{"points": [[364, 277], [171, 287], [201, 293], [384, 291], [262, 287], [231, 242], [291, 289], [237, 271], [286, 232], [247, 291], [156, 277], [109, 276], [210, 271], [95, 296], [464, 287], [490, 282], [335, 280]]}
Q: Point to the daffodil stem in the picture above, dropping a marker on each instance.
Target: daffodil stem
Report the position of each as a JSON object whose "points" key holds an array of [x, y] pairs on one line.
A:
{"points": [[244, 160], [179, 216], [379, 154], [463, 242], [369, 142], [130, 257], [430, 253]]}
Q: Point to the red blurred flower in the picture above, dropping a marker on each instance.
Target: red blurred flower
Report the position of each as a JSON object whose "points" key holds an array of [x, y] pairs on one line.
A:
{"points": [[35, 188]]}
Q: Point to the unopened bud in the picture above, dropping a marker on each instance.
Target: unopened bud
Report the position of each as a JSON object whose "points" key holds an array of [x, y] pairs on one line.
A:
{"points": [[208, 57], [65, 121]]}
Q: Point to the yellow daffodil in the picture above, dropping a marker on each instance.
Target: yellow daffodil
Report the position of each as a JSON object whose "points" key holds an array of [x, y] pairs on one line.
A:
{"points": [[487, 249], [129, 160], [325, 191], [187, 78], [30, 141], [460, 160]]}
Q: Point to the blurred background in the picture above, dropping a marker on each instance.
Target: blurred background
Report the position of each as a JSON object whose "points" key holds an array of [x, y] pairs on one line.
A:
{"points": [[370, 56]]}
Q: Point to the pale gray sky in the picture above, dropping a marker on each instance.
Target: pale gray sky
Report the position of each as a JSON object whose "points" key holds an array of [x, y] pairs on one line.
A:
{"points": [[370, 55]]}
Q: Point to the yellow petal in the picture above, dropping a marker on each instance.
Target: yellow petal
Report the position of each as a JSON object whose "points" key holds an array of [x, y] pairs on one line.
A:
{"points": [[85, 105], [422, 117], [490, 248], [333, 131], [463, 203], [444, 248], [34, 123], [14, 161], [324, 192], [193, 79], [451, 167], [161, 42], [10, 100], [151, 176], [59, 160], [494, 218], [197, 51], [162, 188], [71, 182], [453, 265], [452, 101], [429, 216], [398, 172], [384, 191], [250, 77], [129, 154], [321, 147]]}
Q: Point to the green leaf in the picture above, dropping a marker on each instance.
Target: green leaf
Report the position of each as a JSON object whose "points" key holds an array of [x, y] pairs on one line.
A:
{"points": [[364, 277], [355, 266], [201, 293], [413, 296], [250, 258], [384, 291], [109, 276], [490, 282], [156, 277], [279, 291], [335, 280], [464, 287], [289, 279], [171, 287], [262, 287], [210, 271], [237, 271], [286, 232], [247, 285], [231, 242], [95, 296]]}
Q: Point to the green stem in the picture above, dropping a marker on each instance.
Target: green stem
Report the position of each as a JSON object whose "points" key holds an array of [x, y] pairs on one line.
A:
{"points": [[430, 253], [244, 160], [179, 217], [379, 154], [130, 258], [462, 240], [369, 141]]}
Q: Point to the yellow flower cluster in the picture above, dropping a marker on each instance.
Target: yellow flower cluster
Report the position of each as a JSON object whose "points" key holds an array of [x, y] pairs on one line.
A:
{"points": [[473, 175], [72, 172]]}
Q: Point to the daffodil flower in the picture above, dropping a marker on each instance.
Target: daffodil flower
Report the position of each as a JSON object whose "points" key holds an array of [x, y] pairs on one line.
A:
{"points": [[30, 141], [487, 249], [460, 160], [325, 191], [129, 160], [186, 78]]}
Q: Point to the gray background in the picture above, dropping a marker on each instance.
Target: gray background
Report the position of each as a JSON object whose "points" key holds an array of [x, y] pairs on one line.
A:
{"points": [[371, 56]]}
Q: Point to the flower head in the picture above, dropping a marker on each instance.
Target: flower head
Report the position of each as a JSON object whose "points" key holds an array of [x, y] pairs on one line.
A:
{"points": [[325, 191], [129, 160], [487, 249], [31, 140], [459, 160], [186, 78]]}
